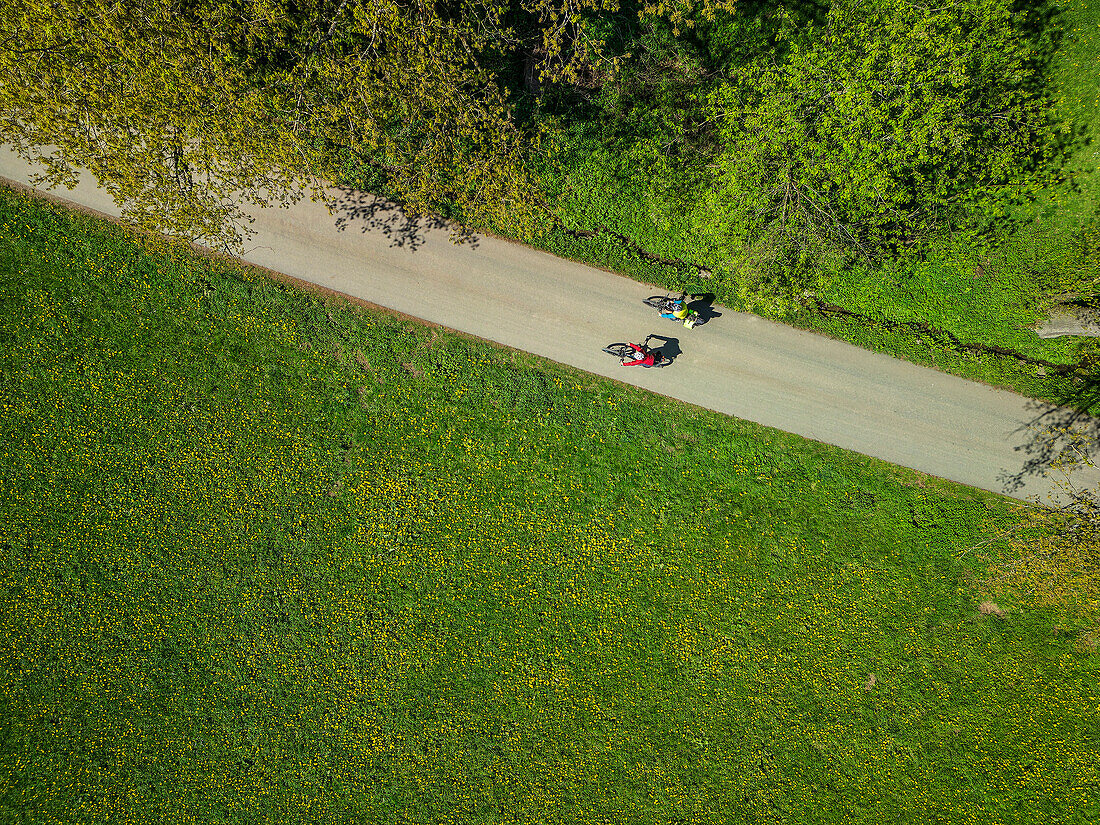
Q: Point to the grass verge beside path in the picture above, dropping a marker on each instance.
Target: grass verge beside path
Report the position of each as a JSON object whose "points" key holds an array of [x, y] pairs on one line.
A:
{"points": [[267, 557]]}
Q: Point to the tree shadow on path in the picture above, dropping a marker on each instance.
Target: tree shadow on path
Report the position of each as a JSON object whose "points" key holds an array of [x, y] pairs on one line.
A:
{"points": [[1058, 437], [404, 229]]}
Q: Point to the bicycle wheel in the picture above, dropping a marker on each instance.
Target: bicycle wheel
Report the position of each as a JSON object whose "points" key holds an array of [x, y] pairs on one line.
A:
{"points": [[619, 350], [657, 301]]}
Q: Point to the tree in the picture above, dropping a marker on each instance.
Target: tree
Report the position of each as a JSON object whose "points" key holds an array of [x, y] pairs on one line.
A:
{"points": [[183, 109], [866, 131], [150, 99]]}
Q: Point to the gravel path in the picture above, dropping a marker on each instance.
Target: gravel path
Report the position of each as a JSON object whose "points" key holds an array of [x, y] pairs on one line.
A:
{"points": [[737, 364]]}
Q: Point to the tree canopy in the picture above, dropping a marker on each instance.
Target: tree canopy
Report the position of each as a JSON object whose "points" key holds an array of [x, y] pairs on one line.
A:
{"points": [[179, 108], [881, 123], [790, 129], [155, 102]]}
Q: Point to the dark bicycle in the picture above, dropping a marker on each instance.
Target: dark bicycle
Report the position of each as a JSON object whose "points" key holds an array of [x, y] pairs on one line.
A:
{"points": [[629, 352], [667, 306]]}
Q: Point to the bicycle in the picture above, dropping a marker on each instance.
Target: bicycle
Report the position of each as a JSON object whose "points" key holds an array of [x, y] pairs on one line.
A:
{"points": [[627, 352], [666, 305]]}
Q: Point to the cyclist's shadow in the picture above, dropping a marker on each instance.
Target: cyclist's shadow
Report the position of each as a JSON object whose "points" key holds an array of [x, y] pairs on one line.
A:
{"points": [[669, 348], [703, 304]]}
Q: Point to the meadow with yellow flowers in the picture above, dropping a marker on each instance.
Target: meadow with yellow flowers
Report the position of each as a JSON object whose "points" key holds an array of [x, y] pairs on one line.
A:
{"points": [[269, 557]]}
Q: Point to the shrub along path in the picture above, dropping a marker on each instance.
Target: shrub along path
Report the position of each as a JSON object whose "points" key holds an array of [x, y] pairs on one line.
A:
{"points": [[738, 364]]}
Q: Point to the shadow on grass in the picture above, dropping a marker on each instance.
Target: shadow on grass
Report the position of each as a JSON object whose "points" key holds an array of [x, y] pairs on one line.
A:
{"points": [[404, 229]]}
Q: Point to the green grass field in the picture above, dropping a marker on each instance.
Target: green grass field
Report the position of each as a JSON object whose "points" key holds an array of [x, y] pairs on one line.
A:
{"points": [[272, 558]]}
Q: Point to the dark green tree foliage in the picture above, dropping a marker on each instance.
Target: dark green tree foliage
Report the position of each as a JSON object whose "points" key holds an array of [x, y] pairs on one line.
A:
{"points": [[788, 131], [873, 127]]}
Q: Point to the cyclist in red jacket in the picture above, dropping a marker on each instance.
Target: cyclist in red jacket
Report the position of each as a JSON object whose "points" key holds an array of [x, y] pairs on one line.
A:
{"points": [[645, 357]]}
